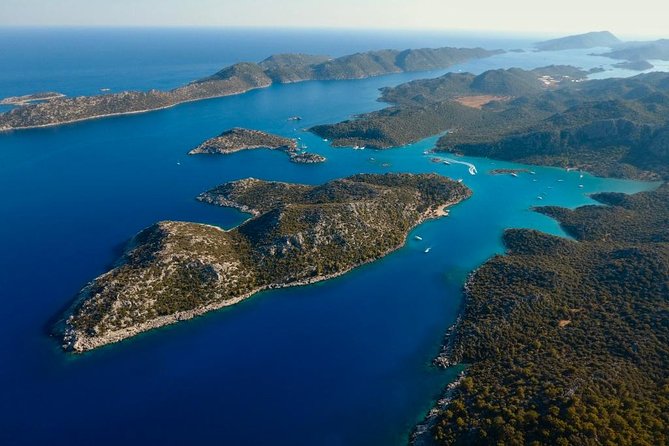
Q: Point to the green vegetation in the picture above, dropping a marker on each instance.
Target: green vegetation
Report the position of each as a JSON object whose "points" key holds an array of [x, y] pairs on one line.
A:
{"points": [[547, 116], [428, 107], [238, 139], [568, 341], [299, 234], [236, 79]]}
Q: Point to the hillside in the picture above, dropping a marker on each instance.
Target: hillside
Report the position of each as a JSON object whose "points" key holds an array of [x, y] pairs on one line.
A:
{"points": [[616, 129], [427, 107], [299, 234], [548, 116], [567, 340], [236, 79]]}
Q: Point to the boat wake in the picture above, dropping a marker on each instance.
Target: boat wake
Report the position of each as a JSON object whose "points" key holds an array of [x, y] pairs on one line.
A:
{"points": [[472, 168]]}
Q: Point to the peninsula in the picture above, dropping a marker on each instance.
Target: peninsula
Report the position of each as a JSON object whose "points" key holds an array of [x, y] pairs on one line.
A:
{"points": [[238, 139], [31, 98], [548, 116], [298, 235], [454, 101], [237, 79]]}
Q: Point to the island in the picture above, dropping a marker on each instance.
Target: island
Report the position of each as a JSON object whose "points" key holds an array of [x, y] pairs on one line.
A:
{"points": [[566, 340], [580, 41], [297, 235], [238, 139], [236, 79]]}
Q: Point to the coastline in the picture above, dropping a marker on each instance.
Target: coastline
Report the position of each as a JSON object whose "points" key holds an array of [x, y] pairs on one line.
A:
{"points": [[135, 112], [78, 343]]}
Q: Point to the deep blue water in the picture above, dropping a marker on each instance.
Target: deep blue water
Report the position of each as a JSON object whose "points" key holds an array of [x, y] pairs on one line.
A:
{"points": [[344, 362]]}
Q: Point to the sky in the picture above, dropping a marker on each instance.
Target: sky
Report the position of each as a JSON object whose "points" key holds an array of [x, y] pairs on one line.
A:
{"points": [[631, 18]]}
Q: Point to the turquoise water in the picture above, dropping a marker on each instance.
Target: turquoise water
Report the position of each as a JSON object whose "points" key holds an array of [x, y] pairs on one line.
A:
{"points": [[344, 362]]}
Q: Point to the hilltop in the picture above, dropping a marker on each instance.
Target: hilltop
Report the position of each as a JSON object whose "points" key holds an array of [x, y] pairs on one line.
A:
{"points": [[579, 41], [549, 116], [237, 79], [428, 107], [298, 234]]}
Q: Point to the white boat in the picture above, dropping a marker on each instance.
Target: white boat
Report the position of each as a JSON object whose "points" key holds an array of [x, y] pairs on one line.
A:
{"points": [[448, 163], [459, 180], [418, 237], [427, 250], [539, 197], [325, 140], [514, 174], [580, 186]]}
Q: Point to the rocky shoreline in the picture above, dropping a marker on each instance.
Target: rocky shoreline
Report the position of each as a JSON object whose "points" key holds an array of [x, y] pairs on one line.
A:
{"points": [[421, 435], [175, 253], [239, 139]]}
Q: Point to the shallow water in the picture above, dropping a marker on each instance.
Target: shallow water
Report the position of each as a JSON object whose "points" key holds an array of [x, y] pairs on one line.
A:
{"points": [[343, 362]]}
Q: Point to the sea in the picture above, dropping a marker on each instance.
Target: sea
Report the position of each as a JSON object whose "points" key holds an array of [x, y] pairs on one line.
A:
{"points": [[342, 362]]}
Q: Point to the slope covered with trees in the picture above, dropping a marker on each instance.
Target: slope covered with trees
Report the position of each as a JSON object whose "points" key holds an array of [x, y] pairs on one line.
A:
{"points": [[567, 341]]}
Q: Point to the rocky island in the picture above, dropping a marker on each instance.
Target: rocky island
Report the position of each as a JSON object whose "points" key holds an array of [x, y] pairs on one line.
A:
{"points": [[237, 79], [579, 41], [238, 139], [298, 235]]}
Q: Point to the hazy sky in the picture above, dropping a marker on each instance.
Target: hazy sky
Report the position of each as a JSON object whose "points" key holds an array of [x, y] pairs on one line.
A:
{"points": [[638, 17]]}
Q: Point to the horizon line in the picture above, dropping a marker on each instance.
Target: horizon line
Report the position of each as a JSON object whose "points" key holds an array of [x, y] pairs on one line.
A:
{"points": [[506, 32]]}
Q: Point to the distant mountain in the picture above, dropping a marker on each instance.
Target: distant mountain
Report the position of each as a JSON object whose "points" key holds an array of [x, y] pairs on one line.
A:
{"points": [[580, 41], [637, 51]]}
